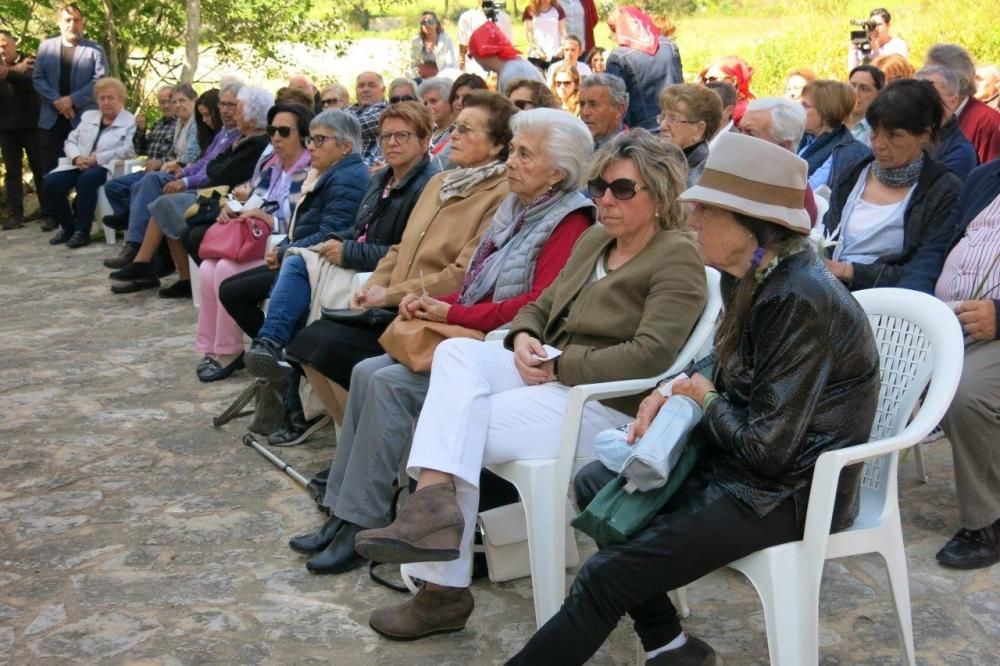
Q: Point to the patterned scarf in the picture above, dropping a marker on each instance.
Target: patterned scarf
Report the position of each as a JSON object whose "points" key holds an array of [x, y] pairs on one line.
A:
{"points": [[901, 176], [458, 182]]}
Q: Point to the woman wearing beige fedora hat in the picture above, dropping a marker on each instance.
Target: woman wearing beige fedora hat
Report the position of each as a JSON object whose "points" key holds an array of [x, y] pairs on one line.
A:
{"points": [[796, 374]]}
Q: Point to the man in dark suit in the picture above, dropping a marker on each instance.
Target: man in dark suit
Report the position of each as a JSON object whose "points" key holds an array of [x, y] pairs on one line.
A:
{"points": [[18, 120], [64, 76]]}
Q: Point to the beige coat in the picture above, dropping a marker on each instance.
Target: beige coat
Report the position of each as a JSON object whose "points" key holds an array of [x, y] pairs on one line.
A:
{"points": [[439, 240], [628, 325]]}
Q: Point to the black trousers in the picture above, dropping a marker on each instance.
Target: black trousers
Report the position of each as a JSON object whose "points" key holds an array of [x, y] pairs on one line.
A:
{"points": [[242, 295], [191, 239], [12, 144], [52, 141], [700, 529]]}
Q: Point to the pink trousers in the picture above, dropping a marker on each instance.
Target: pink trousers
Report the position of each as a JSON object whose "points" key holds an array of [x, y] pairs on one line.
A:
{"points": [[218, 333]]}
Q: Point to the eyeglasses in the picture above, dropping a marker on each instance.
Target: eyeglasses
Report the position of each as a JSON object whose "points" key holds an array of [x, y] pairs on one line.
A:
{"points": [[463, 129], [281, 130], [396, 99], [622, 189], [559, 84], [227, 105], [398, 137], [524, 104], [319, 139], [863, 87], [428, 21], [672, 120], [332, 101]]}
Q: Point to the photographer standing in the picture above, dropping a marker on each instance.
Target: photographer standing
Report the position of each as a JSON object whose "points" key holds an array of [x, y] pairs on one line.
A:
{"points": [[880, 41]]}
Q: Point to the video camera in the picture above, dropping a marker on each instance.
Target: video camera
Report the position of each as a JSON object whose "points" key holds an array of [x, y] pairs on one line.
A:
{"points": [[492, 7], [862, 39]]}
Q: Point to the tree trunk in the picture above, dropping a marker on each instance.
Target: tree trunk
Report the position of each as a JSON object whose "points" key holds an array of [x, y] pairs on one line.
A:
{"points": [[192, 38], [113, 45]]}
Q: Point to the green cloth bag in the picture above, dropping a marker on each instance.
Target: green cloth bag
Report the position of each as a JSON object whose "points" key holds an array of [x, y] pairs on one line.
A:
{"points": [[614, 515]]}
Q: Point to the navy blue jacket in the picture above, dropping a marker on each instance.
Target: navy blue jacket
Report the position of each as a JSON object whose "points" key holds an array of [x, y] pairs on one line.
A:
{"points": [[954, 150], [331, 206], [645, 76], [981, 188]]}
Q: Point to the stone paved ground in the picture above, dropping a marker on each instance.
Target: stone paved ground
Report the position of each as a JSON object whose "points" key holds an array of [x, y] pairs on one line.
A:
{"points": [[132, 532]]}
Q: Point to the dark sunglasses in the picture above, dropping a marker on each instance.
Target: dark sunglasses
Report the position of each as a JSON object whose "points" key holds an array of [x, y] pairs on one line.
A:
{"points": [[402, 98], [428, 21], [524, 104], [621, 188], [281, 130]]}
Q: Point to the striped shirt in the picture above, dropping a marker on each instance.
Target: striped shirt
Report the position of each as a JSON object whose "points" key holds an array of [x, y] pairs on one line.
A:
{"points": [[975, 257]]}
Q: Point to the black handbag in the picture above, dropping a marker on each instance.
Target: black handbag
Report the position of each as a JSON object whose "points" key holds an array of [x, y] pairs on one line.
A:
{"points": [[369, 318], [208, 212]]}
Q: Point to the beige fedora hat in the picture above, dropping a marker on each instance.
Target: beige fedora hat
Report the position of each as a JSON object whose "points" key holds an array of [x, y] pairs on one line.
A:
{"points": [[756, 178]]}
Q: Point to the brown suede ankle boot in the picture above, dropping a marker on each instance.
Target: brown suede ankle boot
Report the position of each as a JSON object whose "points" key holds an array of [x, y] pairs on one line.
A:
{"points": [[426, 613], [427, 529]]}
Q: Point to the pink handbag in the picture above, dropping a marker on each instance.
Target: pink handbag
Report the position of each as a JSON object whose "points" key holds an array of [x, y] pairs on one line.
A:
{"points": [[241, 239]]}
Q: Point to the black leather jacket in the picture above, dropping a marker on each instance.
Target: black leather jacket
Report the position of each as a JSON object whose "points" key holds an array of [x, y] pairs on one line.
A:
{"points": [[804, 380]]}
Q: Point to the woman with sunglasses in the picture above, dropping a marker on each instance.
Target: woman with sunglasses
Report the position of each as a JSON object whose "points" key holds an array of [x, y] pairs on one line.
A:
{"points": [[737, 72], [621, 308], [277, 184], [527, 94], [431, 43], [566, 86]]}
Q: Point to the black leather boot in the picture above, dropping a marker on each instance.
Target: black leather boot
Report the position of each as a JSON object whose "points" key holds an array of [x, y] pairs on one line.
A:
{"points": [[340, 555], [314, 542]]}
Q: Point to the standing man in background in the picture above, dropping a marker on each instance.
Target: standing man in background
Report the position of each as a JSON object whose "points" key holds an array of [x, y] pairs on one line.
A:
{"points": [[18, 126]]}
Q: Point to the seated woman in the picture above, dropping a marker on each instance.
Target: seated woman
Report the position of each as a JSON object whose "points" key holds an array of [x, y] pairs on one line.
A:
{"points": [[621, 308], [441, 234], [518, 256], [463, 85], [796, 375], [332, 195], [891, 204], [566, 87], [828, 145], [103, 136], [690, 115], [277, 182], [737, 72], [433, 94], [313, 278], [527, 94], [232, 167], [402, 90]]}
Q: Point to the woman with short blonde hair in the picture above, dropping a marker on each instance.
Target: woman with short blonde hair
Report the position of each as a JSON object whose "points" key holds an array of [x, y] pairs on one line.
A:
{"points": [[690, 115], [828, 145]]}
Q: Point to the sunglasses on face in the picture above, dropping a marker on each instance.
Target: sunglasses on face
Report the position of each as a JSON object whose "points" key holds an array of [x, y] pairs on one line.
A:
{"points": [[563, 83], [622, 189], [319, 139], [333, 101], [524, 104], [428, 21], [396, 99], [281, 130]]}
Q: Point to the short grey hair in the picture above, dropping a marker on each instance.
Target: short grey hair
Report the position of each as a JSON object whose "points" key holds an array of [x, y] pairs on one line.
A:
{"points": [[616, 87], [340, 91], [439, 84], [344, 126], [949, 77], [563, 139], [232, 87], [788, 118], [403, 82], [256, 102], [957, 59]]}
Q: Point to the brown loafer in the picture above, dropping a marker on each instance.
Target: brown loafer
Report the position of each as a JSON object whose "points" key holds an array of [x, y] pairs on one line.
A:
{"points": [[427, 529], [425, 614]]}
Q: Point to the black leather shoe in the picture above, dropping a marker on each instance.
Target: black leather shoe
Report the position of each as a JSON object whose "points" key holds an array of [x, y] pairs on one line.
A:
{"points": [[13, 223], [972, 549], [215, 371], [134, 286], [179, 289], [60, 237], [48, 224], [297, 430], [78, 239], [137, 270], [264, 360], [340, 555], [116, 222], [315, 542], [695, 652], [126, 257]]}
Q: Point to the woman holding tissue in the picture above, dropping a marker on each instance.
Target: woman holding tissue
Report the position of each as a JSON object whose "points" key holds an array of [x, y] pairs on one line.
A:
{"points": [[622, 307], [796, 374]]}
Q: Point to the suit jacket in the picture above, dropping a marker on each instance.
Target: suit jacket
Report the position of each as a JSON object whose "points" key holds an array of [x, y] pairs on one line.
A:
{"points": [[89, 64], [114, 143], [630, 324]]}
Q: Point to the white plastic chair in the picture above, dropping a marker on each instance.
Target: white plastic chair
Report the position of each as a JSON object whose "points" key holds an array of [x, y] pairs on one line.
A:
{"points": [[919, 341], [118, 168], [544, 484], [195, 282]]}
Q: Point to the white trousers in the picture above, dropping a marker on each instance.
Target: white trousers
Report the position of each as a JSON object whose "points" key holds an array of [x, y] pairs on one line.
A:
{"points": [[479, 412]]}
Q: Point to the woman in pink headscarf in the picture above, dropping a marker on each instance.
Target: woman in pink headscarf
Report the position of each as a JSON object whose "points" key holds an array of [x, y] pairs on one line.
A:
{"points": [[646, 60], [494, 52], [734, 70]]}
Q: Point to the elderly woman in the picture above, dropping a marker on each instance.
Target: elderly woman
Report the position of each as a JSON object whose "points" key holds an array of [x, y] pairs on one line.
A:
{"points": [[431, 43], [828, 147], [402, 90], [230, 168], [890, 205], [103, 136], [645, 60], [334, 96], [527, 94], [433, 94], [621, 308], [440, 237], [690, 115], [519, 255], [319, 276], [463, 85], [277, 183], [738, 73], [566, 87], [796, 374], [186, 148]]}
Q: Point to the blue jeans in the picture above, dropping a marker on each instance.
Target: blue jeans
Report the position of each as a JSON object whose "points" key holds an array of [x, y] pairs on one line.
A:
{"points": [[289, 304], [147, 190], [119, 191], [56, 191]]}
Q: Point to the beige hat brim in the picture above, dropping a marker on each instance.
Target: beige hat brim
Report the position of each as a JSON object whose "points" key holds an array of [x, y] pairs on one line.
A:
{"points": [[795, 219]]}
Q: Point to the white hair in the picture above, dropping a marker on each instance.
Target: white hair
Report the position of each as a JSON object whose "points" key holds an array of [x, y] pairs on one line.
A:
{"points": [[439, 84], [256, 102], [788, 118], [344, 126], [563, 139], [615, 85], [952, 81]]}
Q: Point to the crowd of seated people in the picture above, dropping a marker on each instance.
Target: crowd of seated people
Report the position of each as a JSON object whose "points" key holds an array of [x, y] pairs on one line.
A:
{"points": [[574, 205]]}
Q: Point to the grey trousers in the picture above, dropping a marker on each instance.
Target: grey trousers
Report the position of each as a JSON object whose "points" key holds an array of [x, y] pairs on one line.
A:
{"points": [[973, 427], [381, 413]]}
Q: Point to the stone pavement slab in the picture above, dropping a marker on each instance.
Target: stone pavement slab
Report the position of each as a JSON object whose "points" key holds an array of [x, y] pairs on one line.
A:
{"points": [[133, 532]]}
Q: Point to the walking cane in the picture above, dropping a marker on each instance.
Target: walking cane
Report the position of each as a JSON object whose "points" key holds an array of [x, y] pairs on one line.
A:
{"points": [[251, 441]]}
